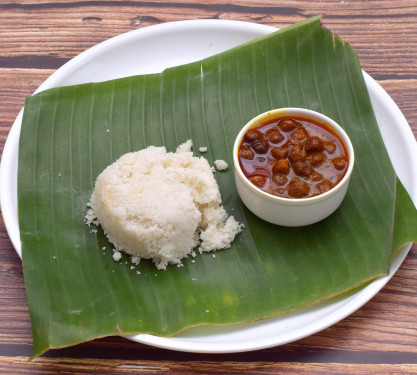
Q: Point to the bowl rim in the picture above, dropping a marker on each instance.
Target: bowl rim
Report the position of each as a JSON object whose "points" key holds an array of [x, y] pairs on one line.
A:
{"points": [[302, 112]]}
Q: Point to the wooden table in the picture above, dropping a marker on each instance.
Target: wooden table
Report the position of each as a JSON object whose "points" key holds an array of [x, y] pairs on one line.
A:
{"points": [[37, 37]]}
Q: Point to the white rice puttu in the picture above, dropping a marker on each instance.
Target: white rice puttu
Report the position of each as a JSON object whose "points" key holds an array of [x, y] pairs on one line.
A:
{"points": [[159, 205]]}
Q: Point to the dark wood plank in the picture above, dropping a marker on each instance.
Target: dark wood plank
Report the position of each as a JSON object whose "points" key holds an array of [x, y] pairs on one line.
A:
{"points": [[91, 366], [47, 34]]}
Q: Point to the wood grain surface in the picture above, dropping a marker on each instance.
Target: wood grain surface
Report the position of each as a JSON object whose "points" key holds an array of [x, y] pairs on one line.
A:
{"points": [[37, 37]]}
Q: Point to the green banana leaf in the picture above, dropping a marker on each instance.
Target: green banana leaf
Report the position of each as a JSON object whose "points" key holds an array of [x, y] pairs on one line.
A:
{"points": [[76, 292]]}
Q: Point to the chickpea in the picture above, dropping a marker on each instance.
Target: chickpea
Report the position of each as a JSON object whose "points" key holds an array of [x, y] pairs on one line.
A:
{"points": [[302, 169], [315, 160], [297, 154], [339, 163], [245, 152], [299, 137], [316, 176], [258, 180], [253, 135], [260, 146], [279, 152], [314, 144], [281, 166], [274, 136], [298, 188], [324, 186], [279, 179], [329, 147], [288, 125]]}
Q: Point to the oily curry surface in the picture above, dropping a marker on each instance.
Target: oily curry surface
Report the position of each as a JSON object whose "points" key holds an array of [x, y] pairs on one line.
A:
{"points": [[293, 157]]}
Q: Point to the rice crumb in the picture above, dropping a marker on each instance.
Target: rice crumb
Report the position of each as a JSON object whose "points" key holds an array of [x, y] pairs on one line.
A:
{"points": [[221, 165], [117, 256]]}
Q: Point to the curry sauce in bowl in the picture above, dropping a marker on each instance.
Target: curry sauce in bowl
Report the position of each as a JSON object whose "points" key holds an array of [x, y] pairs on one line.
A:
{"points": [[292, 157]]}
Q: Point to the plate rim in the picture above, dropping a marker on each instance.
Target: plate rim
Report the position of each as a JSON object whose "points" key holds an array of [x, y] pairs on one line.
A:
{"points": [[176, 343]]}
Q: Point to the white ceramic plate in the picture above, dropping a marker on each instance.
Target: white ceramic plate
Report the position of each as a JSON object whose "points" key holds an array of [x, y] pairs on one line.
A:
{"points": [[154, 48]]}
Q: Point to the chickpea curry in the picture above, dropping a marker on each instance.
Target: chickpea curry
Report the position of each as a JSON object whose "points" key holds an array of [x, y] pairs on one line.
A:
{"points": [[293, 157]]}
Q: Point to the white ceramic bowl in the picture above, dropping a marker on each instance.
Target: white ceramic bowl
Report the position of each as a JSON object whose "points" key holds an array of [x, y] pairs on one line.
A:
{"points": [[291, 211]]}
